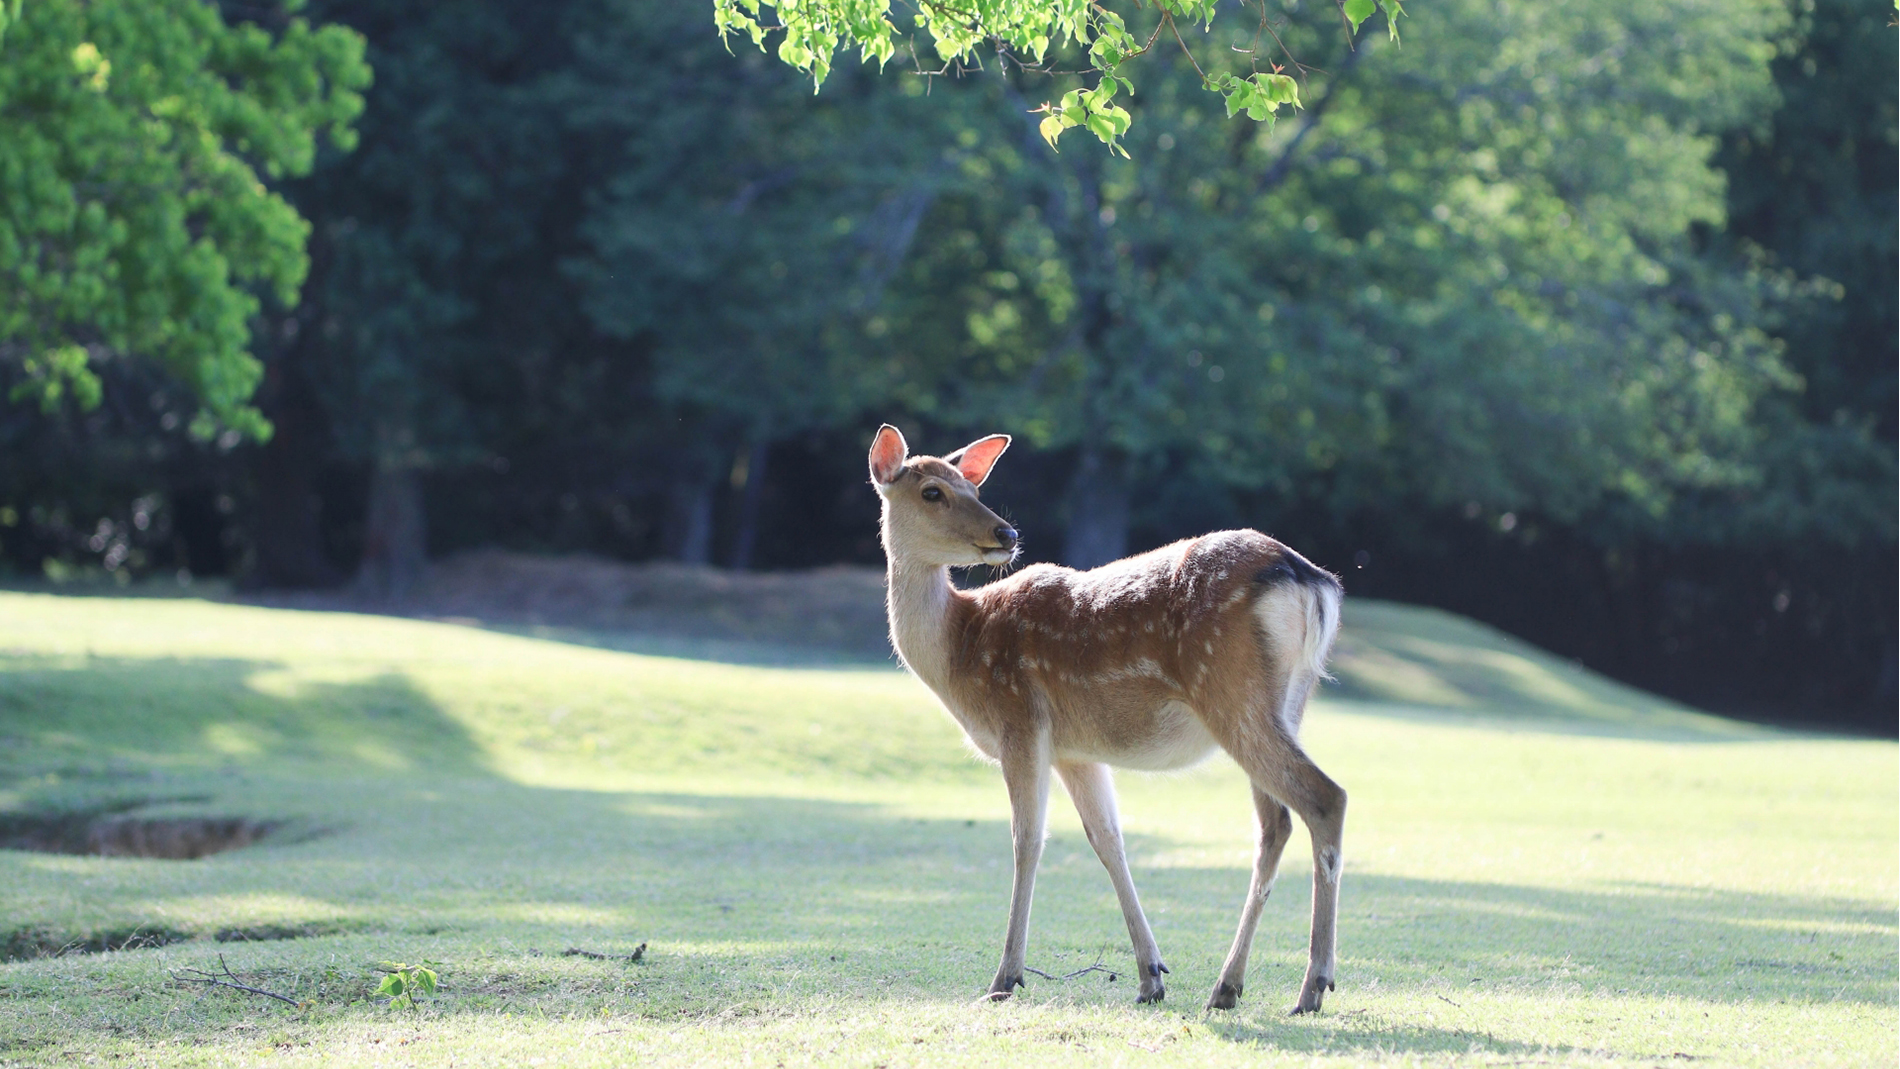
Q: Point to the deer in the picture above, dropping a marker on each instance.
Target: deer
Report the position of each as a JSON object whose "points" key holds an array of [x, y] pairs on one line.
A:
{"points": [[1149, 663]]}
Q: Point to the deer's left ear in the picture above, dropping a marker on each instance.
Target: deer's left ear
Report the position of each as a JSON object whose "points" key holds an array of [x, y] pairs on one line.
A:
{"points": [[976, 459]]}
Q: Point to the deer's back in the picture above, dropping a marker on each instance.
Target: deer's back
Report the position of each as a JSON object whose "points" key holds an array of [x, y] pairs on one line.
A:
{"points": [[1138, 648]]}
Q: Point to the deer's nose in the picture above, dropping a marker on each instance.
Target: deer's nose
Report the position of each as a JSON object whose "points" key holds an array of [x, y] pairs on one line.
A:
{"points": [[1005, 536]]}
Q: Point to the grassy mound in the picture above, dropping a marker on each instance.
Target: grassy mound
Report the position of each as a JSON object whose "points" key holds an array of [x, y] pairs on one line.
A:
{"points": [[1543, 867]]}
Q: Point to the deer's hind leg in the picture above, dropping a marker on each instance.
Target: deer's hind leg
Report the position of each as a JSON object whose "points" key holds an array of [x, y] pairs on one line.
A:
{"points": [[1093, 792], [1260, 740], [1276, 827]]}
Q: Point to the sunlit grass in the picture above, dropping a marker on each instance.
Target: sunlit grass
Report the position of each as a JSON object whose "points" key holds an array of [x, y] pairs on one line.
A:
{"points": [[1543, 868]]}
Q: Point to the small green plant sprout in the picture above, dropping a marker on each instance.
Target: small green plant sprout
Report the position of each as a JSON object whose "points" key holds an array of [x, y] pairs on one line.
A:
{"points": [[403, 982]]}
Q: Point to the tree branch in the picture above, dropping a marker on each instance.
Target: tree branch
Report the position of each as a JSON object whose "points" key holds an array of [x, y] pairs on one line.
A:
{"points": [[231, 981], [1277, 173]]}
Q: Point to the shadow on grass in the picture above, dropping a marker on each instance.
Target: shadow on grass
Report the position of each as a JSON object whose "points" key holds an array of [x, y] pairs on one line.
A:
{"points": [[89, 716], [735, 651], [941, 879]]}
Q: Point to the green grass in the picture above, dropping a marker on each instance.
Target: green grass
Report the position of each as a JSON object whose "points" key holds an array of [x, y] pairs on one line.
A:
{"points": [[1543, 867]]}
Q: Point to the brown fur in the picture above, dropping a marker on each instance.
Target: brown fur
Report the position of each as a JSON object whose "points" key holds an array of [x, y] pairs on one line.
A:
{"points": [[1150, 662]]}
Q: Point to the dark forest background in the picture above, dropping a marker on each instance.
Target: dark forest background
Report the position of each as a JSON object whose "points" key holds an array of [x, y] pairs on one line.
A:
{"points": [[1602, 352]]}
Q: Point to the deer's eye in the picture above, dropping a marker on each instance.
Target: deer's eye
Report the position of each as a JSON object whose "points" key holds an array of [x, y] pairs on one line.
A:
{"points": [[932, 493]]}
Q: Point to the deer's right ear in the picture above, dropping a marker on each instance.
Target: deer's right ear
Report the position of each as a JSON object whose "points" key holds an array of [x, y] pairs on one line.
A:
{"points": [[888, 451]]}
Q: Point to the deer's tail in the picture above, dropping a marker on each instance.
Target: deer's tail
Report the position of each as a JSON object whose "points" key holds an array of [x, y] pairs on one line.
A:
{"points": [[1316, 592]]}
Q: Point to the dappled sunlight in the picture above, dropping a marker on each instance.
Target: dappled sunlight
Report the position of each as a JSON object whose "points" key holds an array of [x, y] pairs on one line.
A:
{"points": [[237, 740], [1364, 668], [668, 810], [252, 907], [1414, 659], [554, 913], [282, 681]]}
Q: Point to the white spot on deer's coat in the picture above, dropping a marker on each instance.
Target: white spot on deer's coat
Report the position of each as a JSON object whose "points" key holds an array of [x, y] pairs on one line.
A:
{"points": [[1209, 646]]}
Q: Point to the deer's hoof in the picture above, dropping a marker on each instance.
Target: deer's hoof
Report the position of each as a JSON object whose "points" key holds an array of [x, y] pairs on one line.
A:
{"points": [[1152, 989], [1002, 987], [1311, 994], [1225, 997]]}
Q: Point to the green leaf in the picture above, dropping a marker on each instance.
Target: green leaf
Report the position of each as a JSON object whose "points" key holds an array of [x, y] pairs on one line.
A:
{"points": [[1279, 88], [1393, 9], [1358, 11], [1050, 128]]}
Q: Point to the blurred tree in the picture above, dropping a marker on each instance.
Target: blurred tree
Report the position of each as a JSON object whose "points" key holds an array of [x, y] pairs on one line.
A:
{"points": [[593, 284], [133, 222], [439, 333], [746, 232], [1812, 190], [1465, 275]]}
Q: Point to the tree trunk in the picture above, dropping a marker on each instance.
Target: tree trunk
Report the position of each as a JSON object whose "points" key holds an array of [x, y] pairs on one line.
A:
{"points": [[394, 533], [1098, 511], [689, 518], [289, 540], [747, 539]]}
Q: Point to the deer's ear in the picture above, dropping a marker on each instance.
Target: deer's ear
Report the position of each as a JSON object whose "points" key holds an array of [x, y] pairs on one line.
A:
{"points": [[888, 451], [976, 459]]}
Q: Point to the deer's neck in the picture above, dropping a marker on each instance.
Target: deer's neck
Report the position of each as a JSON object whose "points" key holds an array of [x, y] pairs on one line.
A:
{"points": [[925, 612]]}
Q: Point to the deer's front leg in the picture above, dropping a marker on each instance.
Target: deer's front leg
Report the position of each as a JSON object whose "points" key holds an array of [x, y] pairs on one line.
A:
{"points": [[1092, 790], [1026, 774]]}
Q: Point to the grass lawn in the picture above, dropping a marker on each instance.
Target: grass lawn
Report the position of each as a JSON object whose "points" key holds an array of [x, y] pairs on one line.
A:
{"points": [[1542, 867]]}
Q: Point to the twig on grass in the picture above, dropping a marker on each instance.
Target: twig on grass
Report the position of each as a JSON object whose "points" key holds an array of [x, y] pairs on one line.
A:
{"points": [[1442, 998], [1097, 967], [595, 955], [231, 981]]}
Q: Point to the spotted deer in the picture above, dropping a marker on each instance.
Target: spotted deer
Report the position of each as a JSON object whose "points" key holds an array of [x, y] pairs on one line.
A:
{"points": [[1147, 663]]}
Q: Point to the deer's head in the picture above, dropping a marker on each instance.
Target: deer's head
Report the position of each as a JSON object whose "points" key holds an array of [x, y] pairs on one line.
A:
{"points": [[931, 512]]}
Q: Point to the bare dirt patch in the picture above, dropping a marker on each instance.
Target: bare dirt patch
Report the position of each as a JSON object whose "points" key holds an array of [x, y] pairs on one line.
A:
{"points": [[34, 942], [110, 832]]}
